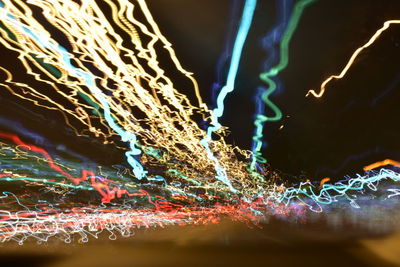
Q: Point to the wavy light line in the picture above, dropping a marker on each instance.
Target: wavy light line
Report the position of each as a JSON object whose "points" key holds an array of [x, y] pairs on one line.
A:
{"points": [[217, 113], [139, 103], [374, 37], [381, 164], [267, 77]]}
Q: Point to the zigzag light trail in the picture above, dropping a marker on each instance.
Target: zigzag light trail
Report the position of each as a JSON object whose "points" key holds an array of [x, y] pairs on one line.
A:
{"points": [[244, 28], [267, 78], [381, 164], [227, 52], [269, 43], [346, 68]]}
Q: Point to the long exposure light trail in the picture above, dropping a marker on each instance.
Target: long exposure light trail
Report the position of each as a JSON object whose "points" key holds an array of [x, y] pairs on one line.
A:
{"points": [[121, 94], [227, 52], [381, 164], [244, 28], [271, 46], [42, 220], [271, 84], [346, 68]]}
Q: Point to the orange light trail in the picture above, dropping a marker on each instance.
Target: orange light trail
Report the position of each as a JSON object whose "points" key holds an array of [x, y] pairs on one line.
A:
{"points": [[381, 164], [323, 181]]}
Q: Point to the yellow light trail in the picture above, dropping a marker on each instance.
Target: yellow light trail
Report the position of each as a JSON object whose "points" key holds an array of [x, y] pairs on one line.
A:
{"points": [[142, 99], [378, 33]]}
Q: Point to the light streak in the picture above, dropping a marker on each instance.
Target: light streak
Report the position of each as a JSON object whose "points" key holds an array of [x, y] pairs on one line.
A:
{"points": [[381, 164], [330, 193], [269, 44], [267, 77], [344, 71], [227, 53], [244, 28]]}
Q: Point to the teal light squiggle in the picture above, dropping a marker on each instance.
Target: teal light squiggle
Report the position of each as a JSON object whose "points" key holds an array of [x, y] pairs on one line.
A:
{"points": [[246, 21], [329, 193]]}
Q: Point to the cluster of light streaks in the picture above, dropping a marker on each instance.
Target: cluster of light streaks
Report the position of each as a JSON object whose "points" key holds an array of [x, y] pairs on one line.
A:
{"points": [[31, 215], [330, 193], [25, 215], [113, 88], [91, 222], [137, 101]]}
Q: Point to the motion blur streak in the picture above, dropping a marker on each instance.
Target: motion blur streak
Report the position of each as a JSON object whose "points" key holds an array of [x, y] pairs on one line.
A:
{"points": [[244, 28], [267, 77], [227, 53], [271, 46], [30, 216], [378, 33], [381, 164]]}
